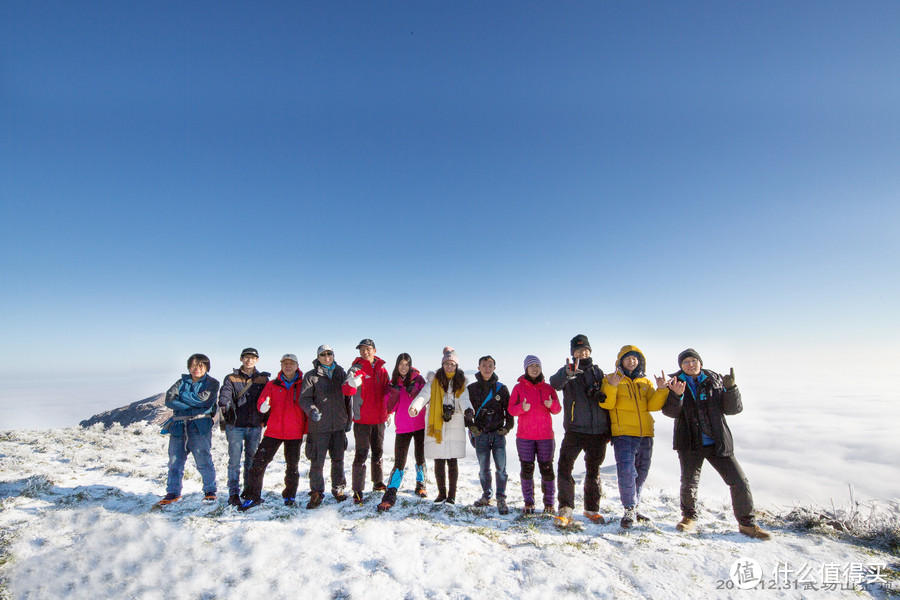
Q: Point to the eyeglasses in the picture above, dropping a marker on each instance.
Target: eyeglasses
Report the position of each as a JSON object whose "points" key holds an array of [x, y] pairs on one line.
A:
{"points": [[326, 354]]}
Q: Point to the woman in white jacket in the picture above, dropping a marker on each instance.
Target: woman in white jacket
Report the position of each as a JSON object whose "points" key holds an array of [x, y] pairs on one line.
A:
{"points": [[446, 400]]}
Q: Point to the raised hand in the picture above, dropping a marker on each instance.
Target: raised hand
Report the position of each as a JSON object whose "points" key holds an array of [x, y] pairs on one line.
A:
{"points": [[572, 368], [728, 380], [661, 381], [676, 385], [614, 378]]}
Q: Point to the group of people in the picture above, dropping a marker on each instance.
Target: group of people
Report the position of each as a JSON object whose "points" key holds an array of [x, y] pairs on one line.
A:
{"points": [[442, 412]]}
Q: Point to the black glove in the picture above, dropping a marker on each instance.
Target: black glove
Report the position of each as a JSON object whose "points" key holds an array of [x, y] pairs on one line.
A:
{"points": [[728, 380], [348, 427], [448, 412], [315, 414], [595, 394]]}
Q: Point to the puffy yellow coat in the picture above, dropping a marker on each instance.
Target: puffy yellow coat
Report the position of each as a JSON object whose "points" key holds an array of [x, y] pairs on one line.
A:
{"points": [[631, 402]]}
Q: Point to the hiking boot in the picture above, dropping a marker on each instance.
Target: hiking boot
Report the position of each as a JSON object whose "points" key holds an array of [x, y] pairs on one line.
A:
{"points": [[528, 510], [755, 532], [249, 503], [385, 505], [595, 517], [627, 519], [290, 501], [502, 508], [687, 525], [358, 498], [420, 490], [168, 499], [482, 502], [548, 509], [339, 495], [234, 500], [441, 497], [379, 487], [315, 499], [209, 498], [641, 518], [565, 517]]}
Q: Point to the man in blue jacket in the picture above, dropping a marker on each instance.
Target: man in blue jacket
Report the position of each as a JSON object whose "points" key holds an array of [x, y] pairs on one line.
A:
{"points": [[193, 403]]}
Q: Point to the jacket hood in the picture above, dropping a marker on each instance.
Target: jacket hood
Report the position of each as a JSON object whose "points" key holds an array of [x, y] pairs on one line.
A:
{"points": [[641, 369]]}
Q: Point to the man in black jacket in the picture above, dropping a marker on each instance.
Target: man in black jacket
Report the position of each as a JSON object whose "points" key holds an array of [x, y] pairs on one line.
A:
{"points": [[489, 421], [586, 428], [242, 422], [328, 409], [698, 400]]}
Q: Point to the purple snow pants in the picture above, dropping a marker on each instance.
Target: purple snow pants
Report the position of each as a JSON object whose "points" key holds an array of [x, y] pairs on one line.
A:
{"points": [[543, 450]]}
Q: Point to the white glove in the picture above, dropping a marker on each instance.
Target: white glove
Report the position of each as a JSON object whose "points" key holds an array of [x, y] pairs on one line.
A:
{"points": [[264, 407]]}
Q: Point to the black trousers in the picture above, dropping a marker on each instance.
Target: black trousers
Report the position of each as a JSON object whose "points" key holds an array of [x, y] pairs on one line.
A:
{"points": [[320, 445], [264, 455], [365, 437], [594, 447], [730, 471], [401, 448]]}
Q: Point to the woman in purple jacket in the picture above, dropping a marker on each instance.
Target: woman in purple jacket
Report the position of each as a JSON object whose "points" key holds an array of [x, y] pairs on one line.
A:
{"points": [[406, 383]]}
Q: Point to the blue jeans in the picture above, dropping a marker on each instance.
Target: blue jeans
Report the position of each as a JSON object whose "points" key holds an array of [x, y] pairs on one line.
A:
{"points": [[240, 440], [487, 444], [200, 445], [632, 465]]}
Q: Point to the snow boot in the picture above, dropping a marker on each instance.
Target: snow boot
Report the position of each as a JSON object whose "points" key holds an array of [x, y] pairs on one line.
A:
{"points": [[168, 499], [755, 532], [315, 499], [482, 502], [565, 517], [249, 503], [502, 508], [627, 519], [686, 525], [388, 500]]}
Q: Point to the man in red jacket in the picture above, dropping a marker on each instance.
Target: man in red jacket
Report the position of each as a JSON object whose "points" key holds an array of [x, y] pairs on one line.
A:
{"points": [[368, 382]]}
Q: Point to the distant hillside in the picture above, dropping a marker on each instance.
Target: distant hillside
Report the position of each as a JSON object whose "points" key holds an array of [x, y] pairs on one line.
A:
{"points": [[148, 410]]}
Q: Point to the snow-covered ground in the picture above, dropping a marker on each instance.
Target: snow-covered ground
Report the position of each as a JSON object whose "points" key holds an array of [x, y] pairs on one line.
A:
{"points": [[75, 522]]}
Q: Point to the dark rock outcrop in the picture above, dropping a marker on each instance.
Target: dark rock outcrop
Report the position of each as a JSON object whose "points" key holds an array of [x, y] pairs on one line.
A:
{"points": [[148, 410]]}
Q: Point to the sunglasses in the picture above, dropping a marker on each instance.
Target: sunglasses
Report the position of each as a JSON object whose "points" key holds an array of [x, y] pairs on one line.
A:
{"points": [[327, 354]]}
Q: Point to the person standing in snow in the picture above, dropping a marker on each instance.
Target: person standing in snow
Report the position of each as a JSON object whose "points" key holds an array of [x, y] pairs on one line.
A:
{"points": [[534, 401], [406, 383], [630, 398], [286, 425], [368, 382], [586, 427], [241, 420], [698, 400], [445, 400], [193, 402], [328, 410], [489, 425]]}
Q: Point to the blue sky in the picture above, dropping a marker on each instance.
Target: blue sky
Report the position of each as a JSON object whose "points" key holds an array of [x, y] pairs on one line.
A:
{"points": [[497, 176]]}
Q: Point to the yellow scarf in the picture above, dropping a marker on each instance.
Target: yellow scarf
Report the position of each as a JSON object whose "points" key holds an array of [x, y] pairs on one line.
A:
{"points": [[435, 425]]}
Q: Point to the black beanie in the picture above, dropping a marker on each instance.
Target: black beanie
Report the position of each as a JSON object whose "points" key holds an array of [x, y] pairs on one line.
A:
{"points": [[579, 341], [690, 352]]}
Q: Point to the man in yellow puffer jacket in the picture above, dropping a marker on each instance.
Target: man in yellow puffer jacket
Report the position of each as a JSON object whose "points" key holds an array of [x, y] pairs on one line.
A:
{"points": [[630, 398]]}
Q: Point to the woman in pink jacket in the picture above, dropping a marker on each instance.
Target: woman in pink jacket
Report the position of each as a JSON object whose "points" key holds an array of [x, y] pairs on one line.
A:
{"points": [[406, 383], [533, 401]]}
